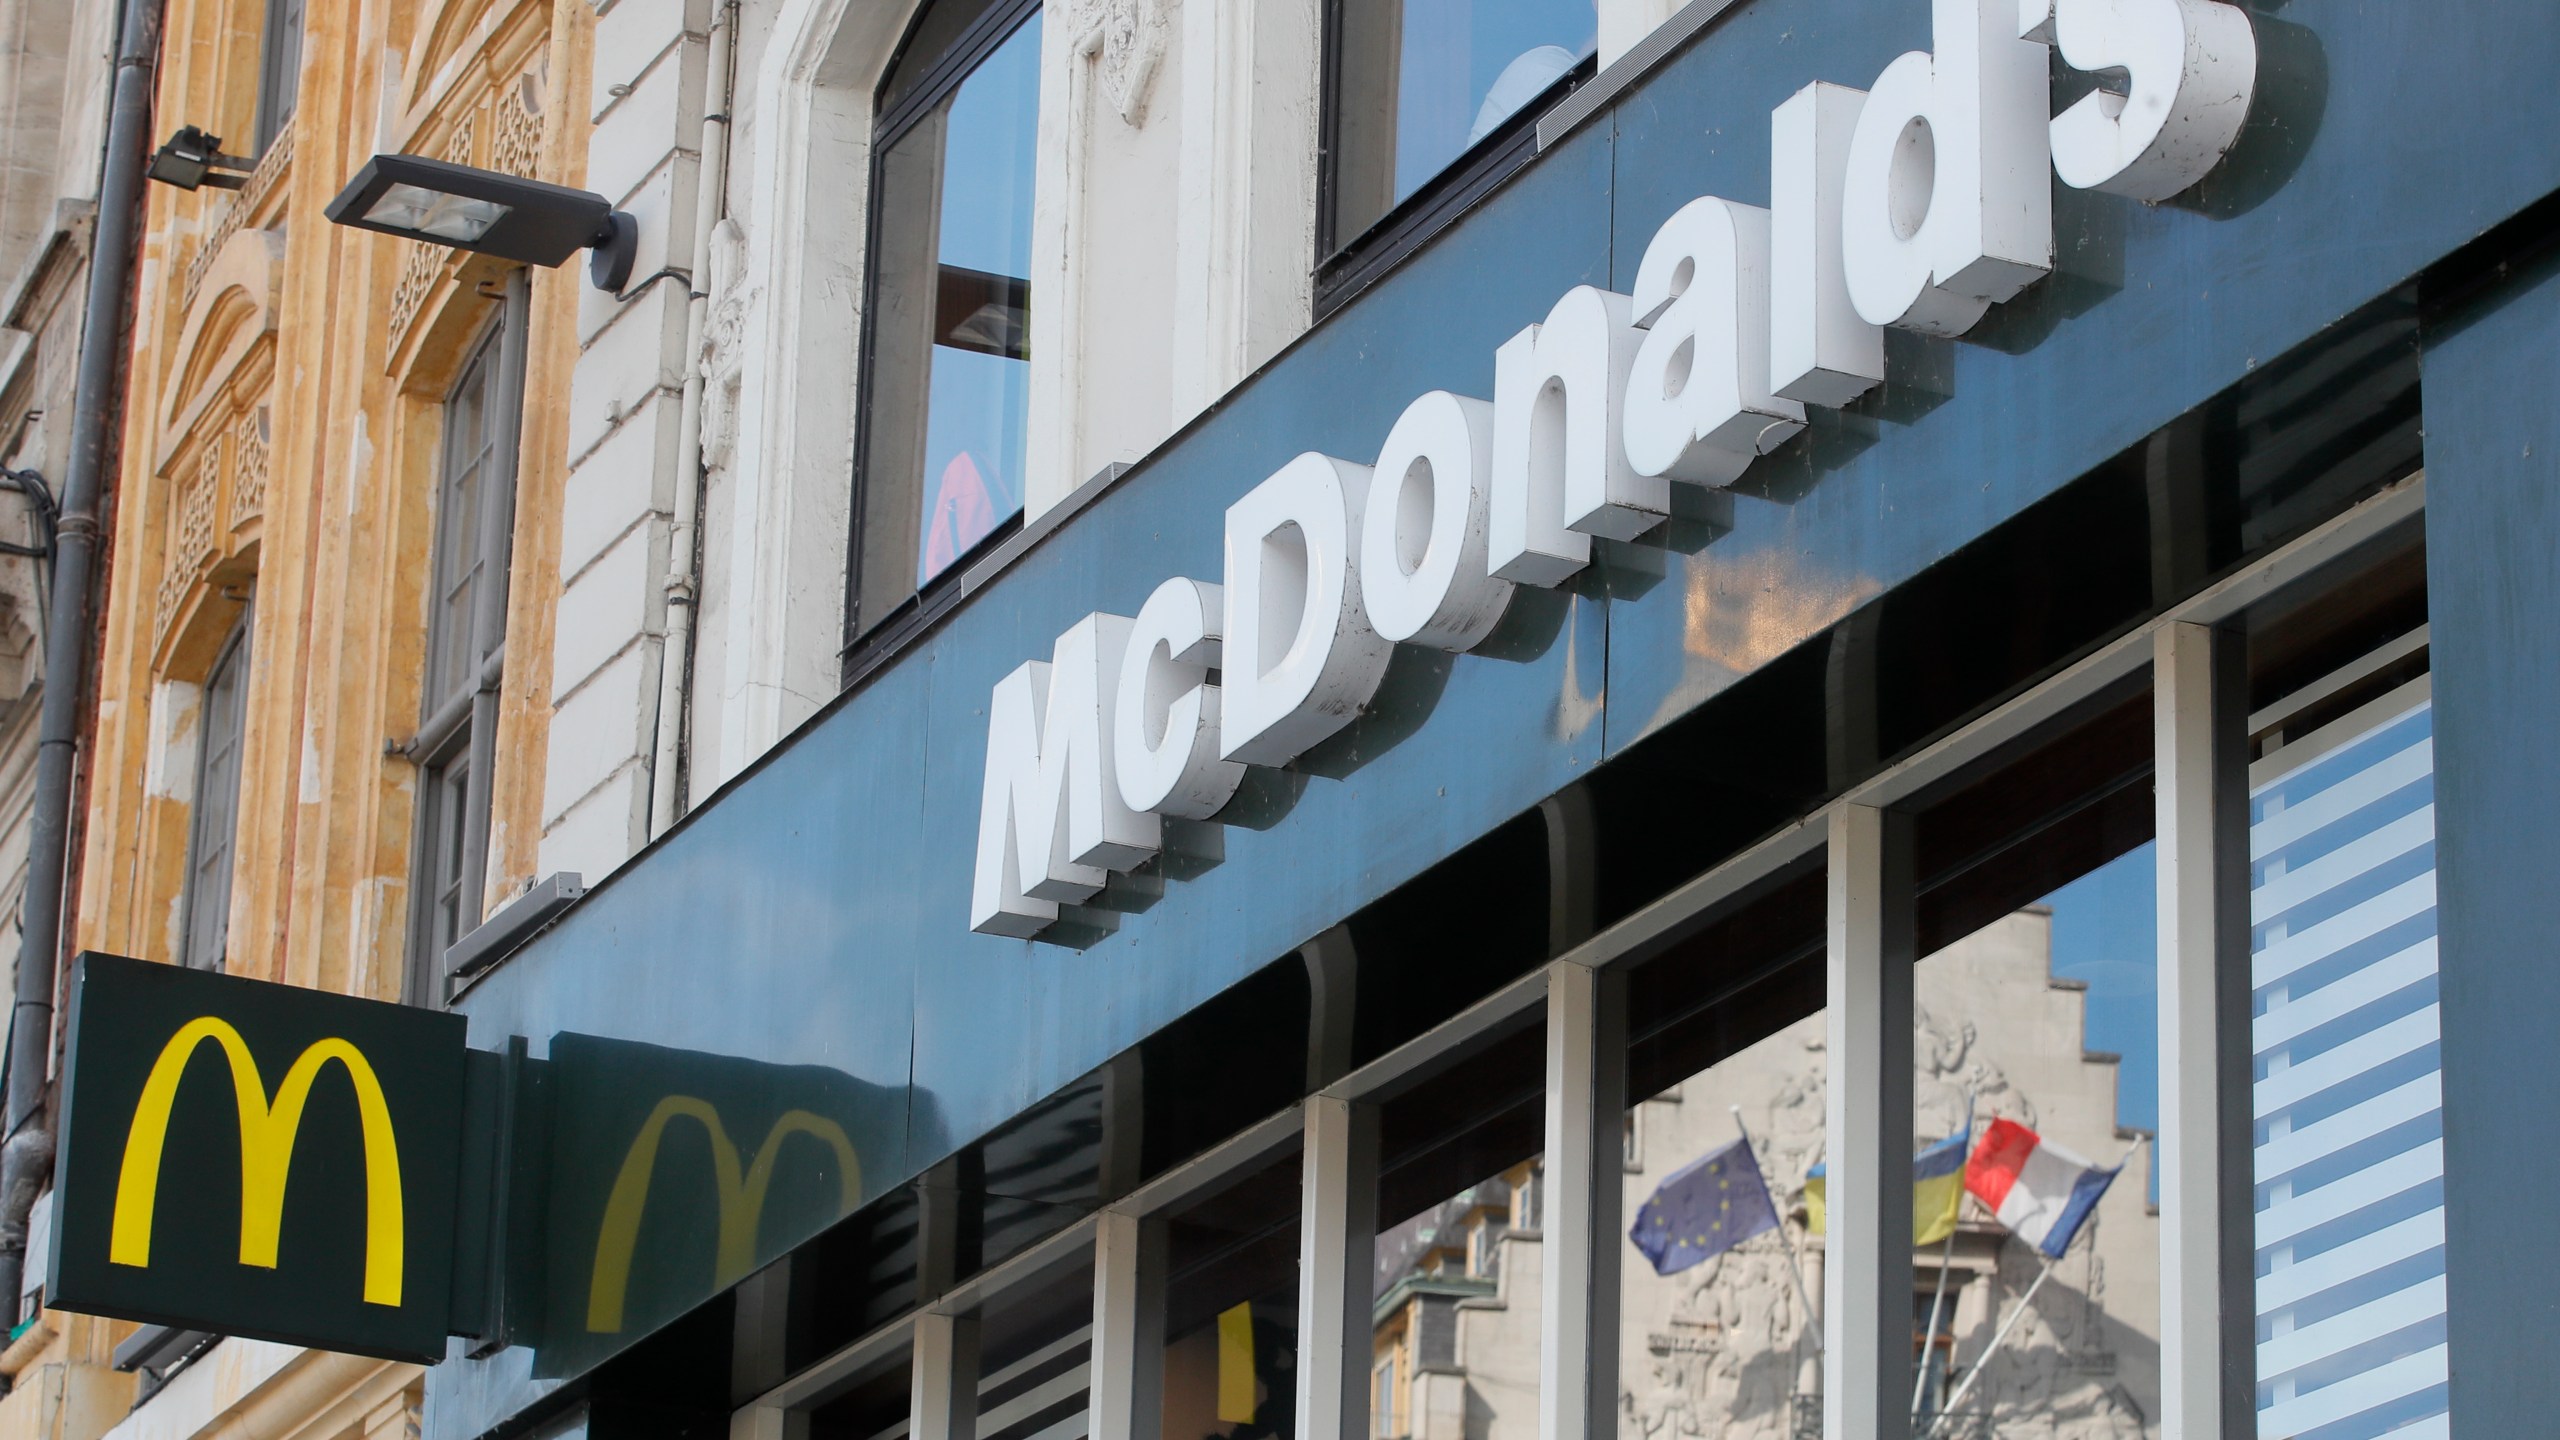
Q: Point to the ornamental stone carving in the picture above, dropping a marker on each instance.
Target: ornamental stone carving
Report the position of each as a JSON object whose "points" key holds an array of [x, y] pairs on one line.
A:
{"points": [[723, 357], [249, 464], [515, 141], [1125, 40], [420, 263]]}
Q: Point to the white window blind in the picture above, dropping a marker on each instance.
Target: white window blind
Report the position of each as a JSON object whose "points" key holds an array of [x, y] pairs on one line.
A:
{"points": [[2348, 1126]]}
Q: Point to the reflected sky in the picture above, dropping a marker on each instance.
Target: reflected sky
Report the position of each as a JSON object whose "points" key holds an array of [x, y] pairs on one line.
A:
{"points": [[1466, 65], [2106, 935]]}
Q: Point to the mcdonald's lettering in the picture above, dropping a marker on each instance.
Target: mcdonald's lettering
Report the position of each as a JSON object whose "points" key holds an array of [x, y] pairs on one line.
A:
{"points": [[741, 1195], [267, 1134], [342, 1121]]}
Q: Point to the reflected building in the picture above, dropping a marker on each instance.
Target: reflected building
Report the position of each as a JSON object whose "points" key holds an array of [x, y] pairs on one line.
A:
{"points": [[1723, 1351]]}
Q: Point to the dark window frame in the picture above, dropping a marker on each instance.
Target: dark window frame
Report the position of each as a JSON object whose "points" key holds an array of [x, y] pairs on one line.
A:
{"points": [[868, 639], [1347, 265], [279, 71], [221, 721], [455, 748]]}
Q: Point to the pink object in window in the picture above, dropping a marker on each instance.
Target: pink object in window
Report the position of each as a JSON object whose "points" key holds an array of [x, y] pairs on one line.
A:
{"points": [[961, 515]]}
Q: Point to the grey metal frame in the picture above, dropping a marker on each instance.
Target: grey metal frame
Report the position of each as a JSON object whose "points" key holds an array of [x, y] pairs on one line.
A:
{"points": [[279, 71], [458, 731], [221, 724], [2205, 1250]]}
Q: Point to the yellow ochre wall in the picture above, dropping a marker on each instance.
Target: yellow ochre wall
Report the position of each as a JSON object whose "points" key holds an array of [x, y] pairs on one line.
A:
{"points": [[280, 439]]}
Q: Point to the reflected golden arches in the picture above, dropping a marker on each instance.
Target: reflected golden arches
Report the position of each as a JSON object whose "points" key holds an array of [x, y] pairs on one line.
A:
{"points": [[741, 1197]]}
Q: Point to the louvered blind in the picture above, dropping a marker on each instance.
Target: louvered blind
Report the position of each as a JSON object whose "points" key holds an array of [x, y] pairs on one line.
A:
{"points": [[2348, 1123]]}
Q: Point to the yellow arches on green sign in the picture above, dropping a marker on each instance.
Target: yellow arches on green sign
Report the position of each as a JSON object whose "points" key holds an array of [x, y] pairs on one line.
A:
{"points": [[266, 1153], [741, 1197]]}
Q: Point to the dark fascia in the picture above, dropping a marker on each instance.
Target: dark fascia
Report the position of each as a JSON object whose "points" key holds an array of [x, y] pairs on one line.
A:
{"points": [[544, 225]]}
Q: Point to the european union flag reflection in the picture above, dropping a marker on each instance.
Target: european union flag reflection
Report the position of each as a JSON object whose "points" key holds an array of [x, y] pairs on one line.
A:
{"points": [[1705, 1209]]}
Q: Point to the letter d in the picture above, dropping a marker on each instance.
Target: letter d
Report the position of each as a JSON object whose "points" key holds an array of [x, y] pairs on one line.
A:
{"points": [[1299, 656]]}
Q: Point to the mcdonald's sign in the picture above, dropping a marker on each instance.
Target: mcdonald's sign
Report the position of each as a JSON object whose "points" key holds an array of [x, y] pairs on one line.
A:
{"points": [[257, 1159]]}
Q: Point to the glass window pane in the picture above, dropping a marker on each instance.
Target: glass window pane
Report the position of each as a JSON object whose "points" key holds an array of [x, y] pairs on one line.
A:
{"points": [[1726, 1075], [465, 463], [1421, 81], [2036, 1093], [2348, 1127], [214, 832], [1231, 1311], [1459, 1254], [949, 388], [2036, 1248]]}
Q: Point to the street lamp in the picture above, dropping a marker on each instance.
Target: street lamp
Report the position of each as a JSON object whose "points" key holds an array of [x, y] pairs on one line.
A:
{"points": [[465, 208], [190, 158]]}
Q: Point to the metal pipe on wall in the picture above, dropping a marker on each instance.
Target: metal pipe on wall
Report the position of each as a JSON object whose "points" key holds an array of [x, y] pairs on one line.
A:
{"points": [[675, 665], [97, 405]]}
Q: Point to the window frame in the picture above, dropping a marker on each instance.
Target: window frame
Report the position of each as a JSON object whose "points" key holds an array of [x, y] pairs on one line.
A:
{"points": [[868, 639], [228, 723], [456, 740], [1346, 265], [279, 71]]}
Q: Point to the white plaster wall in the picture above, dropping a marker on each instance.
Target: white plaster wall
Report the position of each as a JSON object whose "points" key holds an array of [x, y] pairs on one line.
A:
{"points": [[1625, 22], [1173, 253], [645, 108]]}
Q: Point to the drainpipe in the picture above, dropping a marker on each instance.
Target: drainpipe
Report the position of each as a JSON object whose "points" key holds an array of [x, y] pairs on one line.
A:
{"points": [[26, 1158], [675, 668]]}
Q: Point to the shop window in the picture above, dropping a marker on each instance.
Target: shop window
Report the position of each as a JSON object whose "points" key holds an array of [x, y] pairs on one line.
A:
{"points": [[279, 70], [213, 829], [1231, 1310], [1427, 103], [946, 381], [2035, 1087], [456, 742], [2347, 1131], [1458, 1259], [873, 1403], [1726, 1074], [1035, 1360]]}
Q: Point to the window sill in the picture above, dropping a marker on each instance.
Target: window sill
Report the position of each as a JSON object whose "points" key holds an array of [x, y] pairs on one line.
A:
{"points": [[1603, 90]]}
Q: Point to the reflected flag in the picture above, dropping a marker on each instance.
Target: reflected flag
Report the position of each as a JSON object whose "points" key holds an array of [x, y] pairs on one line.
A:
{"points": [[1704, 1209], [2041, 1191], [1937, 1190]]}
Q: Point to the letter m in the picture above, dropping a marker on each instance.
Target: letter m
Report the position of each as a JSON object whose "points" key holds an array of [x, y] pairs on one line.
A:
{"points": [[1050, 818]]}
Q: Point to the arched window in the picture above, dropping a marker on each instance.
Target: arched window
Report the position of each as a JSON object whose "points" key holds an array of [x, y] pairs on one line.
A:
{"points": [[946, 376]]}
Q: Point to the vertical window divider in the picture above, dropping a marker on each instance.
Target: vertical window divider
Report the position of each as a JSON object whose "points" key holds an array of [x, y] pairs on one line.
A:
{"points": [[1867, 1132], [2200, 709], [1584, 1192], [944, 1377], [1130, 1259], [1339, 1220]]}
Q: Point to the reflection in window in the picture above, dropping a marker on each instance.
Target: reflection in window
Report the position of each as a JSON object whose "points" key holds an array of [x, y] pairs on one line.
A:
{"points": [[2037, 1051], [1231, 1311], [2348, 1125], [948, 387], [1457, 1270], [1420, 82]]}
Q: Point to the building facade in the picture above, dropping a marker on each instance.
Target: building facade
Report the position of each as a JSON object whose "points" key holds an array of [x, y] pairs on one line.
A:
{"points": [[1179, 692]]}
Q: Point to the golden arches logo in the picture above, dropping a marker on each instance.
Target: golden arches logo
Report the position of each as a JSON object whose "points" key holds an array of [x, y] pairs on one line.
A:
{"points": [[741, 1197], [266, 1153]]}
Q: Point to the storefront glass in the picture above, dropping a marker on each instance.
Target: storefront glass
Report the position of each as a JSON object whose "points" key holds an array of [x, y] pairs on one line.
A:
{"points": [[1459, 1254], [2348, 1127]]}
